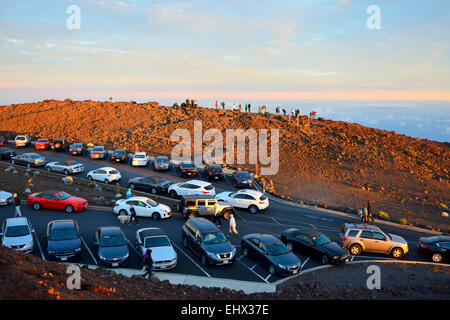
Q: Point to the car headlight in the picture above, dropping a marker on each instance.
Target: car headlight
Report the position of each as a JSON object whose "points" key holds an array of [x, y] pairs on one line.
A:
{"points": [[282, 266], [212, 255], [51, 252], [102, 257], [78, 250], [29, 244], [335, 257], [126, 256], [233, 252]]}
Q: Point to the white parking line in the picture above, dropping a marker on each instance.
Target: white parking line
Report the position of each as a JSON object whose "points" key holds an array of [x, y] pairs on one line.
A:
{"points": [[254, 266], [203, 270], [268, 277], [313, 226], [89, 250], [303, 264], [276, 221], [376, 258], [257, 274], [39, 245]]}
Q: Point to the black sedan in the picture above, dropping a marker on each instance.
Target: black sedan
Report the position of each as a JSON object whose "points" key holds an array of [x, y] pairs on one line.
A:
{"points": [[63, 240], [149, 184], [60, 144], [436, 247], [112, 247], [315, 244], [271, 253], [7, 153], [119, 155], [214, 172], [29, 160], [188, 169]]}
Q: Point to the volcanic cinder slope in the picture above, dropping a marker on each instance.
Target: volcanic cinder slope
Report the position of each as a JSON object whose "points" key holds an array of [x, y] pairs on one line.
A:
{"points": [[333, 162]]}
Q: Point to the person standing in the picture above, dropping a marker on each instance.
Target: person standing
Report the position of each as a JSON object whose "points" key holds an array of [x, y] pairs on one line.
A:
{"points": [[364, 218], [249, 105], [217, 104], [129, 194], [133, 214], [232, 226], [147, 261], [369, 211], [17, 203]]}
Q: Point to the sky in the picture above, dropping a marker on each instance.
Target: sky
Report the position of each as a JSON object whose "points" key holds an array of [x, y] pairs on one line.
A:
{"points": [[225, 49]]}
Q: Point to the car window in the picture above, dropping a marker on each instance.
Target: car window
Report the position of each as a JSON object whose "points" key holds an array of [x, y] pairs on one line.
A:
{"points": [[255, 241], [161, 241], [17, 231], [277, 248], [190, 203], [49, 197], [141, 204], [366, 235], [379, 236], [201, 203], [112, 240], [209, 187], [263, 247], [214, 238], [185, 185], [352, 233], [152, 203], [63, 234], [445, 245], [194, 186], [248, 197], [239, 196], [212, 202]]}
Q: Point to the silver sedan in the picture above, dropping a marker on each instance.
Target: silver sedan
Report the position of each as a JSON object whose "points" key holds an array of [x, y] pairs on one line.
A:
{"points": [[66, 167]]}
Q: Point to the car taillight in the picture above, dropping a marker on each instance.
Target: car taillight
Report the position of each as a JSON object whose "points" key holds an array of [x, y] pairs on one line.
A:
{"points": [[344, 239], [35, 161], [209, 172], [205, 192], [423, 246], [261, 202]]}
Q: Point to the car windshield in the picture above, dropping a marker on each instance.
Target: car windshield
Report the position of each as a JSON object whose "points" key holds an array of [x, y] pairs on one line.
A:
{"points": [[139, 156], [188, 166], [20, 138], [17, 231], [162, 160], [42, 140], [152, 203], [121, 152], [112, 240], [243, 175], [215, 168], [209, 187], [263, 198], [151, 242], [70, 163], [35, 156], [63, 195], [113, 172], [63, 234], [156, 180], [97, 149], [77, 145], [321, 240], [277, 248], [214, 237]]}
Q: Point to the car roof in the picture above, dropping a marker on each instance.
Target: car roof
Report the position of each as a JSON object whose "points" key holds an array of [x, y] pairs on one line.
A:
{"points": [[204, 225], [242, 172], [140, 152], [57, 224], [110, 229], [150, 232], [17, 221], [362, 227], [198, 182], [50, 192], [251, 192], [195, 197], [138, 198], [106, 168], [264, 238], [162, 157]]}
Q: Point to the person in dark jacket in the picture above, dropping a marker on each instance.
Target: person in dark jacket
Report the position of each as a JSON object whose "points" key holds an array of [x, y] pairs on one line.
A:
{"points": [[133, 214], [147, 270], [17, 203], [369, 211]]}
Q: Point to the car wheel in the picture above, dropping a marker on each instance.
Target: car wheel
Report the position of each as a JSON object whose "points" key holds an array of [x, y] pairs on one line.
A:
{"points": [[106, 181], [90, 178], [397, 253], [66, 172], [355, 249], [131, 186], [49, 169], [290, 246], [272, 269], [69, 209], [203, 260], [173, 194], [12, 161], [253, 209], [154, 191], [37, 206], [123, 212], [324, 259], [28, 165], [156, 216], [185, 244], [245, 252], [437, 257]]}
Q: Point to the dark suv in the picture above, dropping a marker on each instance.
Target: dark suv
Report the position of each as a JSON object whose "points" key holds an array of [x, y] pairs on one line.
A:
{"points": [[214, 171], [60, 144], [188, 169], [207, 241]]}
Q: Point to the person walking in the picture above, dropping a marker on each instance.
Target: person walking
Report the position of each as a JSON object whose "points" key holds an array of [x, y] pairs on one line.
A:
{"points": [[232, 226], [364, 217], [369, 211], [133, 215], [129, 194], [17, 203], [249, 106], [147, 261], [217, 104], [277, 110]]}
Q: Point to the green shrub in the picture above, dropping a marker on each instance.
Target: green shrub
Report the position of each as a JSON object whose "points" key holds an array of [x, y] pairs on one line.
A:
{"points": [[403, 221], [91, 184], [411, 153], [383, 215], [342, 135], [442, 206]]}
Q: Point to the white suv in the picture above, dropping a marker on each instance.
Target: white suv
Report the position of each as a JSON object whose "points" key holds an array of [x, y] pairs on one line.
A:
{"points": [[105, 174], [144, 207], [139, 159], [191, 187], [22, 140], [17, 234], [252, 200]]}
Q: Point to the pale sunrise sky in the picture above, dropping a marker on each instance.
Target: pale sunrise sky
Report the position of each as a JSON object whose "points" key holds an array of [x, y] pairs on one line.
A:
{"points": [[242, 49]]}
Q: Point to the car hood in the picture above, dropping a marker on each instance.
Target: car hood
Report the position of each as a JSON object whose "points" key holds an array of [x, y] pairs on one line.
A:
{"points": [[76, 200], [16, 241], [163, 207], [162, 253], [223, 195], [397, 238], [333, 249], [113, 252], [286, 259], [219, 247], [64, 245], [5, 195]]}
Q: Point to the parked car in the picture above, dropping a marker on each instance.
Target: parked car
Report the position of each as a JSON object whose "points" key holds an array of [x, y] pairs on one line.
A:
{"points": [[192, 187], [315, 244], [252, 200], [164, 255], [105, 174], [151, 184], [17, 234], [242, 179], [187, 169], [60, 144], [161, 163], [29, 160], [203, 206], [3, 141], [361, 237], [144, 207], [77, 149], [6, 198], [42, 144], [63, 240], [139, 159], [214, 172], [97, 152], [56, 200], [65, 167], [119, 155], [436, 247], [206, 240], [270, 253], [22, 140], [111, 247], [7, 153]]}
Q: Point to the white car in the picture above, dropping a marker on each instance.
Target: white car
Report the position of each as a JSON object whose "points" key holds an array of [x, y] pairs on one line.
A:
{"points": [[17, 234], [145, 207], [105, 174], [163, 254], [65, 167], [139, 159], [191, 187], [252, 200], [22, 140], [6, 198]]}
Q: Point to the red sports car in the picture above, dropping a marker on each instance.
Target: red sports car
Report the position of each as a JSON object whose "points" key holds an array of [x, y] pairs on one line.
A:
{"points": [[57, 200], [42, 144]]}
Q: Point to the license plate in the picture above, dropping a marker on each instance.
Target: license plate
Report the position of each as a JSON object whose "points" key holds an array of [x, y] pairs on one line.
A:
{"points": [[115, 264], [216, 177], [226, 261], [64, 259], [117, 160], [163, 267]]}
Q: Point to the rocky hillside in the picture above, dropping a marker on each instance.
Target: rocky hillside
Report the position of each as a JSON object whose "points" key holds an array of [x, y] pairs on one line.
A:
{"points": [[324, 161]]}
